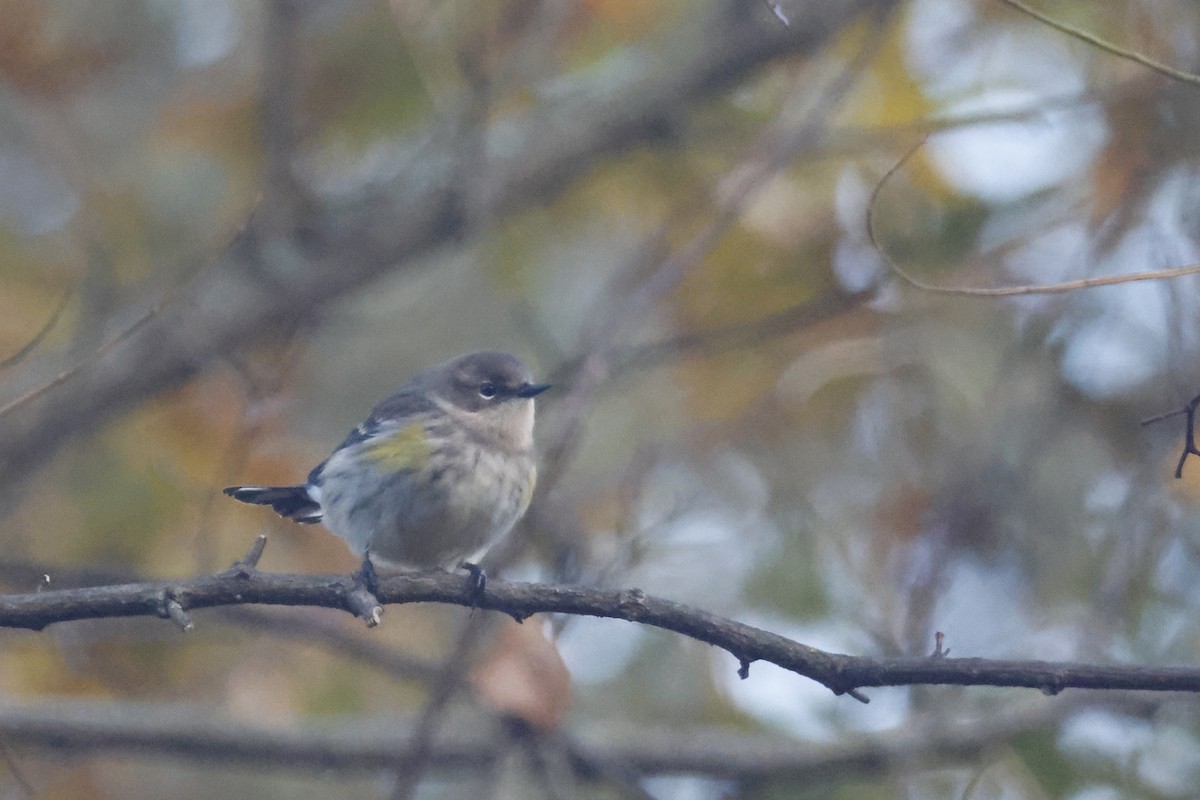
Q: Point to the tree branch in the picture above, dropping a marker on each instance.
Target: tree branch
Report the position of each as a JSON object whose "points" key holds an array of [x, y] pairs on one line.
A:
{"points": [[841, 673], [154, 730], [267, 280]]}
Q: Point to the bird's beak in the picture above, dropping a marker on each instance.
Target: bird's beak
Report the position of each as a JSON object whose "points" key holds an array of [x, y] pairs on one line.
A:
{"points": [[532, 389]]}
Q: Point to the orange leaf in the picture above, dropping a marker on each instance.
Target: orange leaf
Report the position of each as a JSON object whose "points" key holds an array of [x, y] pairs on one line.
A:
{"points": [[523, 676]]}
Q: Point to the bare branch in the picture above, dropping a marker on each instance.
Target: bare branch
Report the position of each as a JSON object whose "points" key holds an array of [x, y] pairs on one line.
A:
{"points": [[1108, 47], [280, 133], [774, 149], [37, 338], [420, 750], [265, 281], [999, 291], [17, 771], [149, 730], [1189, 431], [335, 638], [840, 673]]}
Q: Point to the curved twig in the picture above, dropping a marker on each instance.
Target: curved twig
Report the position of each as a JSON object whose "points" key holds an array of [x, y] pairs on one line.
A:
{"points": [[998, 291], [37, 338], [1106, 46]]}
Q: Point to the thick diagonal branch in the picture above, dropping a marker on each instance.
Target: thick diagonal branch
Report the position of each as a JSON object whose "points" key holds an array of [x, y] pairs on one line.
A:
{"points": [[269, 278]]}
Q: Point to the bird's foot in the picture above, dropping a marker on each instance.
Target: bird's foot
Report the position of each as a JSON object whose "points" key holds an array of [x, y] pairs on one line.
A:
{"points": [[476, 581], [361, 598]]}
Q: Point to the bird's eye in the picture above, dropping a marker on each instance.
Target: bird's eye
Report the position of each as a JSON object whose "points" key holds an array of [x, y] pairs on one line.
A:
{"points": [[487, 390]]}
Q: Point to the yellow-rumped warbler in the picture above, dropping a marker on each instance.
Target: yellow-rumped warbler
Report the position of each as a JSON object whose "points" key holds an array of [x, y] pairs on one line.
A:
{"points": [[440, 471]]}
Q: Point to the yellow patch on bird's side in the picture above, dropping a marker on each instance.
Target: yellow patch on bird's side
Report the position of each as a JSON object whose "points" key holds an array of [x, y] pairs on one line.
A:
{"points": [[527, 495], [406, 448]]}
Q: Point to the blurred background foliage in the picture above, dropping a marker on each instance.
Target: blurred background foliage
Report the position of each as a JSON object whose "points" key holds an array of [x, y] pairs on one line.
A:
{"points": [[752, 413]]}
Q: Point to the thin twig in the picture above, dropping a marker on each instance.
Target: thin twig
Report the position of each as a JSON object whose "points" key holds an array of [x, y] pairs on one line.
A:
{"points": [[1001, 291], [1106, 46], [767, 156], [389, 223], [150, 314], [16, 770], [28, 347], [1189, 432], [420, 748]]}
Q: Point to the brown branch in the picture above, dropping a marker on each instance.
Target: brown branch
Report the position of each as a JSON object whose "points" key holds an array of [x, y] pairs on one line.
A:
{"points": [[774, 149], [336, 639], [327, 633], [281, 88], [411, 769], [725, 338], [1189, 431], [739, 335], [840, 673], [145, 730], [17, 771], [266, 281], [1106, 46]]}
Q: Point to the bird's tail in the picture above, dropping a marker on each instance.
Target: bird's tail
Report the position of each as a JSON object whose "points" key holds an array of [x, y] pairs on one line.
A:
{"points": [[293, 502]]}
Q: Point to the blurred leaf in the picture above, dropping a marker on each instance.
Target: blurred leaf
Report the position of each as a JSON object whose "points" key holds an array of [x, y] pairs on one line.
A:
{"points": [[523, 676], [43, 53]]}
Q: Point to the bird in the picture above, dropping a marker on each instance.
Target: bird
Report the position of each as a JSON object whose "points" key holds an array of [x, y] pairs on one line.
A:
{"points": [[438, 473]]}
